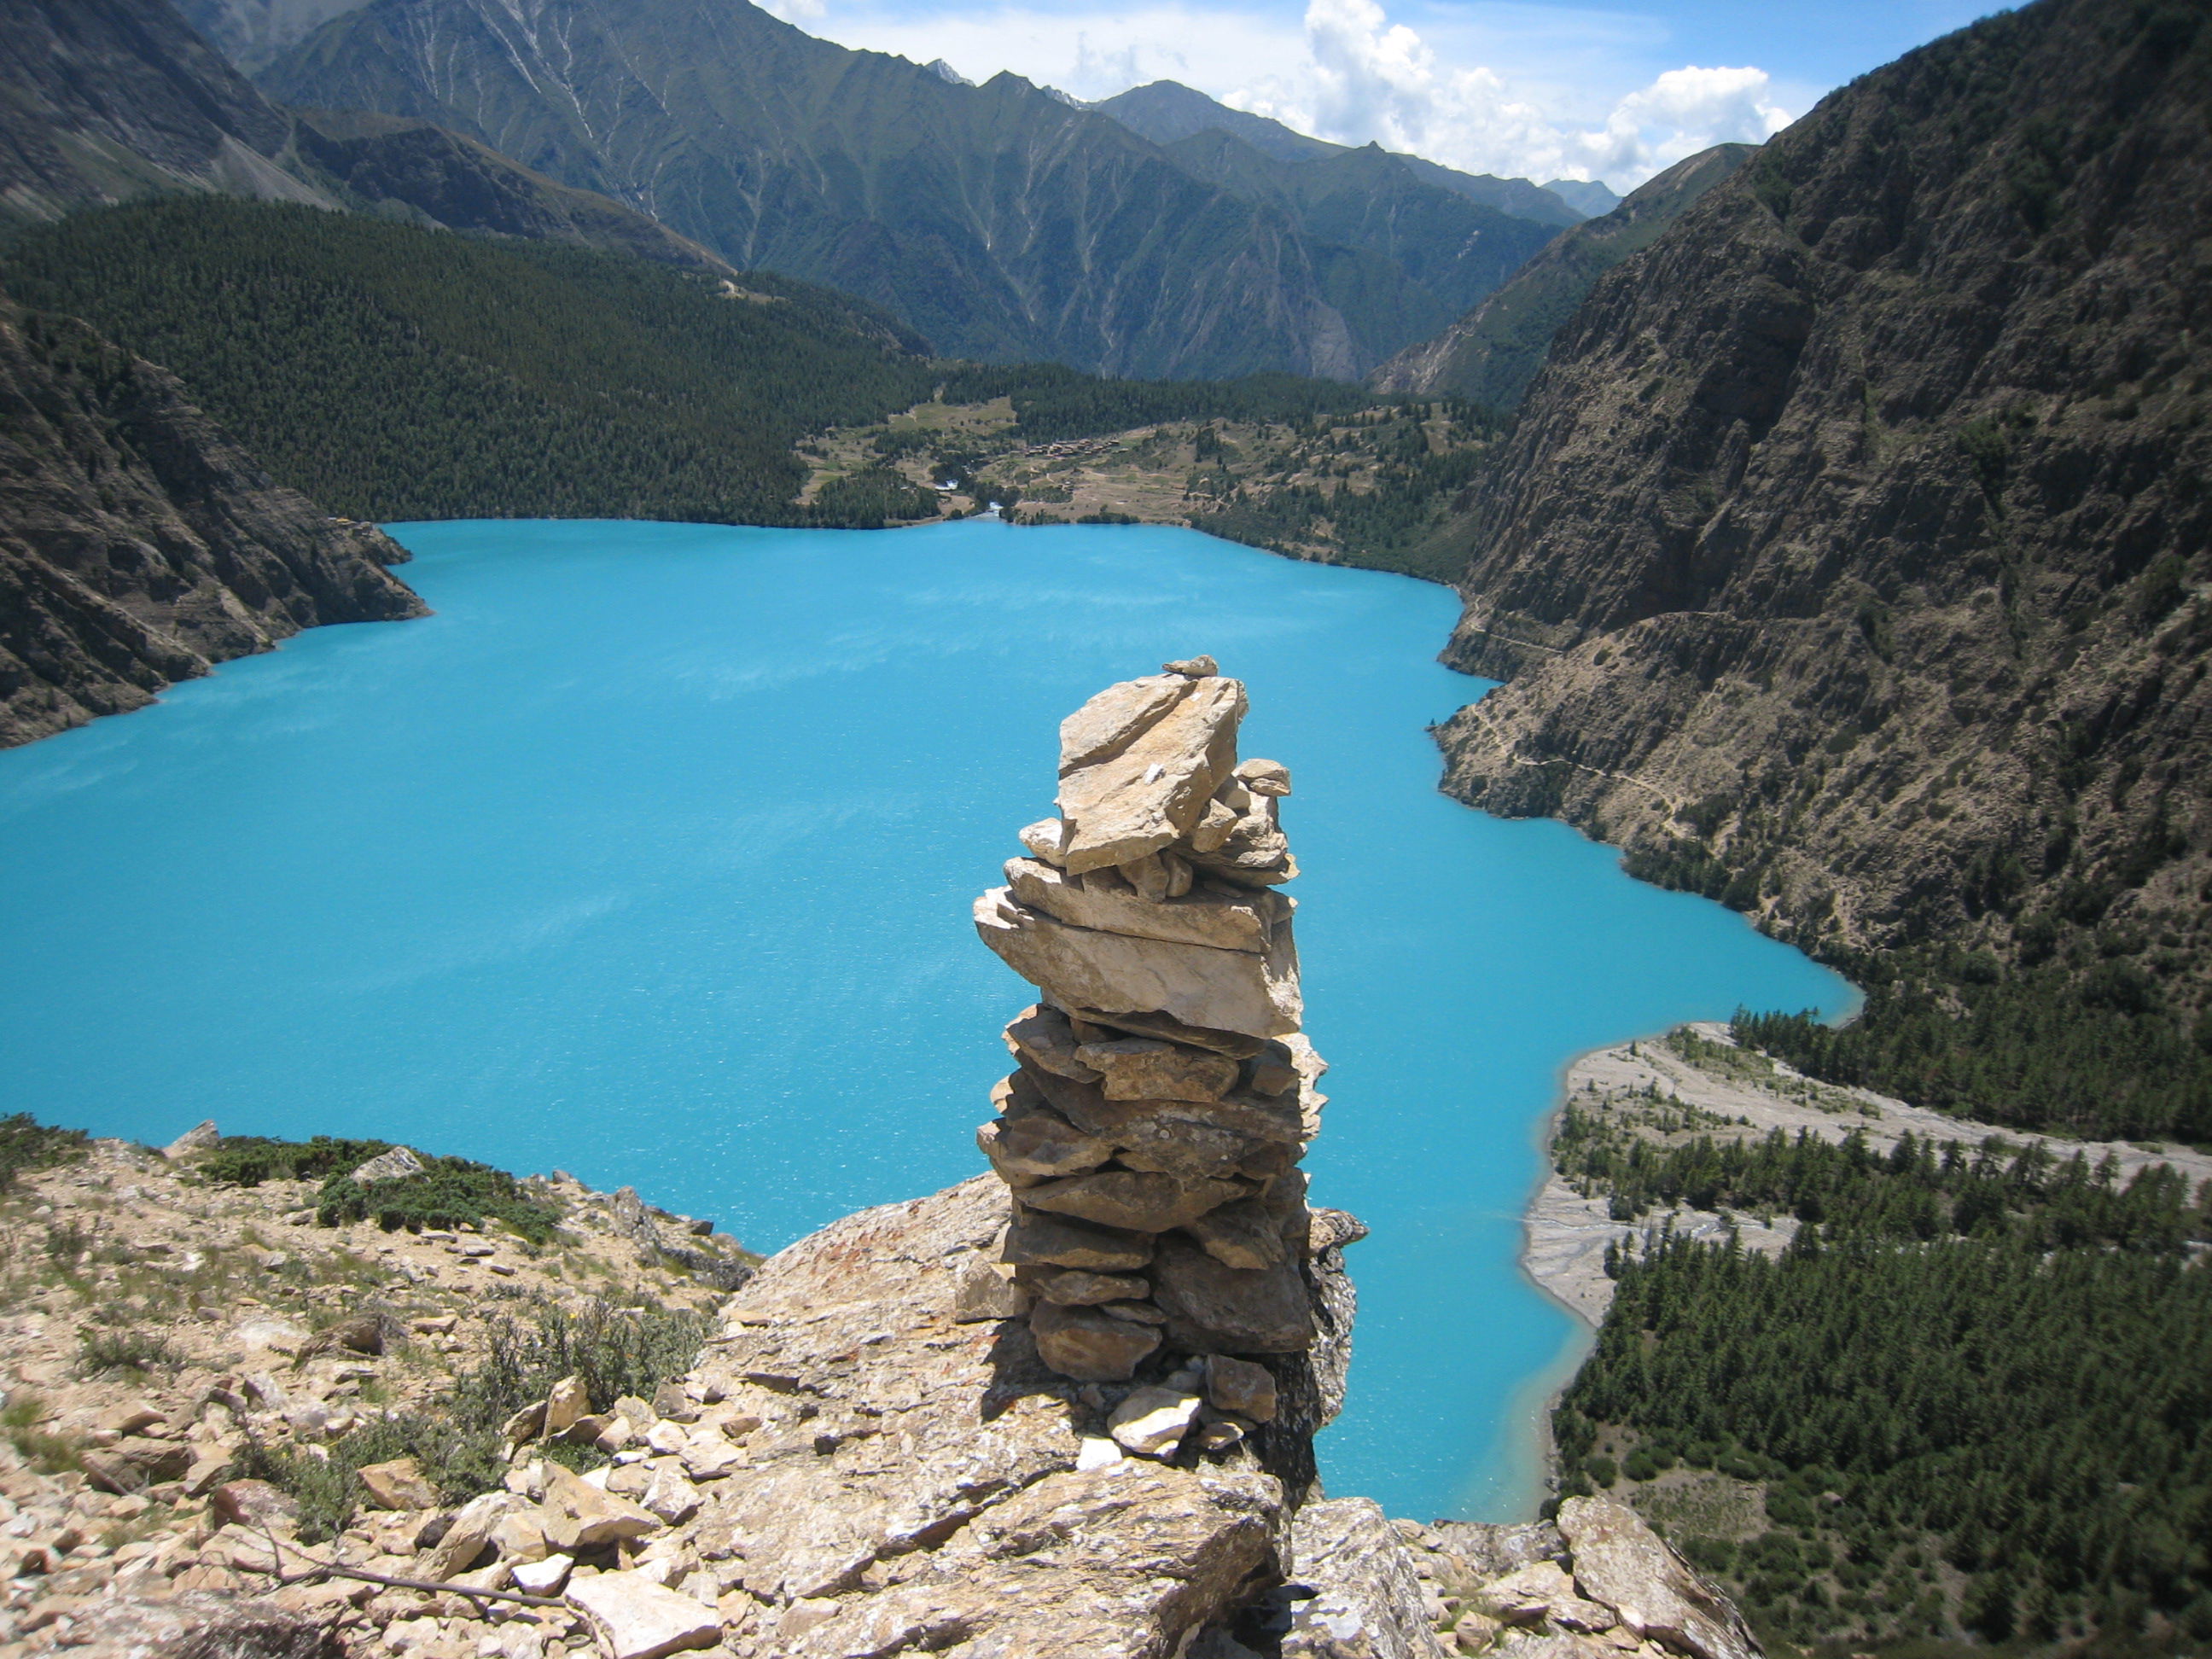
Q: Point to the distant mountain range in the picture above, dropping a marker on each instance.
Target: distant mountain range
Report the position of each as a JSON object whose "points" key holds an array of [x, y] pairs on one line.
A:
{"points": [[1167, 111], [1001, 220]]}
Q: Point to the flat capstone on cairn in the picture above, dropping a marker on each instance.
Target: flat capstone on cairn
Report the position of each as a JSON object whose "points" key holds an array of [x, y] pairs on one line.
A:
{"points": [[1163, 1094]]}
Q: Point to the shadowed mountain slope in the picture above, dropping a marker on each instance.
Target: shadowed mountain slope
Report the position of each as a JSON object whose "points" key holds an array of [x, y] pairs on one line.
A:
{"points": [[1849, 562], [107, 100], [1493, 352]]}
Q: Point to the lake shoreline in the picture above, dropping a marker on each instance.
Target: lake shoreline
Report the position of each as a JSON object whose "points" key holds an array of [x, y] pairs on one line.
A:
{"points": [[1565, 1236]]}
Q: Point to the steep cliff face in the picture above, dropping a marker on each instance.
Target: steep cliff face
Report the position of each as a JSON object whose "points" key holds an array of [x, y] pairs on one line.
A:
{"points": [[998, 220], [1850, 557], [1492, 354], [138, 545]]}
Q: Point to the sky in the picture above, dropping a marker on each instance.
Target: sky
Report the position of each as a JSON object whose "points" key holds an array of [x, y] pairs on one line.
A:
{"points": [[1543, 92]]}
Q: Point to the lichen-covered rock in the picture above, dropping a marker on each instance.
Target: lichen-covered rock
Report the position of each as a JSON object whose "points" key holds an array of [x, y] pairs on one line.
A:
{"points": [[1366, 1600]]}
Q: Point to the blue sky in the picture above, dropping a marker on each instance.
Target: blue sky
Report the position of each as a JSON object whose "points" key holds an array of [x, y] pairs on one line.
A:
{"points": [[1539, 91]]}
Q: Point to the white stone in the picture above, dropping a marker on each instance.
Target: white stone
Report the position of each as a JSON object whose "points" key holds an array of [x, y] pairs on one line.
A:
{"points": [[1151, 1422], [393, 1165], [634, 1618], [672, 1497], [542, 1578], [1095, 1452]]}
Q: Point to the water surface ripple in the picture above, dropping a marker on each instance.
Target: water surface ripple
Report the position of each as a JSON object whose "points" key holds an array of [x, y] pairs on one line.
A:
{"points": [[649, 857]]}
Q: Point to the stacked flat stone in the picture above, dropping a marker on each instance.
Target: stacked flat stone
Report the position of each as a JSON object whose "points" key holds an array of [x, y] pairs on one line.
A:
{"points": [[1163, 1095]]}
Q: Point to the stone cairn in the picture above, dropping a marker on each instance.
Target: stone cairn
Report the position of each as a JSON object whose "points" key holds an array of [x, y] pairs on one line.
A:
{"points": [[1163, 1096]]}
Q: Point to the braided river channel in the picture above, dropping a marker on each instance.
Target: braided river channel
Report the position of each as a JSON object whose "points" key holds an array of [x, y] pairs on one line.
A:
{"points": [[649, 857]]}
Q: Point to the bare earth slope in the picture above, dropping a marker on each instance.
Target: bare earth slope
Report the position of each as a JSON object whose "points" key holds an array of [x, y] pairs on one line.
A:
{"points": [[138, 545], [1849, 558]]}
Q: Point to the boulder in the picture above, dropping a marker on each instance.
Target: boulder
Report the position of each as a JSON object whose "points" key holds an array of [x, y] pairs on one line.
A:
{"points": [[1116, 717], [1239, 1386], [1119, 973], [200, 1138], [1041, 1035], [1247, 1234], [396, 1164], [1106, 900], [634, 1618], [670, 1496], [398, 1485], [580, 1516], [1264, 777], [1037, 1240], [566, 1405], [1542, 1590], [1367, 1601], [135, 1462], [1089, 1346], [984, 1292], [253, 1503], [1146, 1068], [1147, 791], [467, 1536], [1214, 1307], [1193, 668], [1074, 1288], [1140, 1200], [1037, 1145], [1619, 1560], [1151, 1422]]}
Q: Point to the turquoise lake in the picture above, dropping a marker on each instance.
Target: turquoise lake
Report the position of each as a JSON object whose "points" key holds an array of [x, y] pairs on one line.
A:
{"points": [[649, 857]]}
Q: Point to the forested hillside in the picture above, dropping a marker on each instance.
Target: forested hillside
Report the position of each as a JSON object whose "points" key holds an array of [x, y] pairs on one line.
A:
{"points": [[1848, 562], [401, 373], [395, 372], [1968, 1400], [998, 221]]}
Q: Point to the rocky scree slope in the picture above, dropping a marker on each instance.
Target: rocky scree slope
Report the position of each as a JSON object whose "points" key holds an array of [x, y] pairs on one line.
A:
{"points": [[866, 1455], [1848, 561], [138, 545], [1492, 354], [998, 221]]}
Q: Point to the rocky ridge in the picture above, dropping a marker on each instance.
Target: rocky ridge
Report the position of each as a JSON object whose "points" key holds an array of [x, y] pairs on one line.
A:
{"points": [[1847, 558], [138, 545]]}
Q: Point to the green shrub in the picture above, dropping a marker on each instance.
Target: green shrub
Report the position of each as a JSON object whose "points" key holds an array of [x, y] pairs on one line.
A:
{"points": [[614, 1351], [249, 1160], [25, 1143], [447, 1192], [102, 1352]]}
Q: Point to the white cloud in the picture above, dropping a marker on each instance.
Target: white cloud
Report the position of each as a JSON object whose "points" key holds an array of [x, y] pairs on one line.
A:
{"points": [[1366, 77], [1353, 74]]}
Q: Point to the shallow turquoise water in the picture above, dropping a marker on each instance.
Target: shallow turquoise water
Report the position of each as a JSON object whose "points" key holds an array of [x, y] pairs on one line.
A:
{"points": [[649, 857]]}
